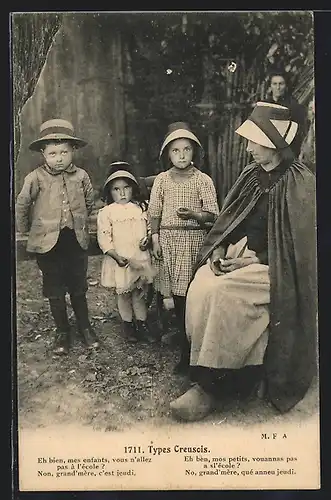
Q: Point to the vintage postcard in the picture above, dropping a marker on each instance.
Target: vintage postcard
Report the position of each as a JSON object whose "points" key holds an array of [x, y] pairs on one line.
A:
{"points": [[166, 287]]}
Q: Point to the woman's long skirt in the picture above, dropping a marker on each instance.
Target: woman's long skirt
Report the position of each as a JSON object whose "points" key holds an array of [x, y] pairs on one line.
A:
{"points": [[227, 316]]}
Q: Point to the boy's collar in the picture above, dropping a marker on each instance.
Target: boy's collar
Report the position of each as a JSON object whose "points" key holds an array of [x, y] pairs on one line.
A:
{"points": [[69, 170]]}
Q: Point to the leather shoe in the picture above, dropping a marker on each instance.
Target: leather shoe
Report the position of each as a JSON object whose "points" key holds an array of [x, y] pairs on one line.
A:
{"points": [[144, 332], [90, 338], [61, 343], [130, 333]]}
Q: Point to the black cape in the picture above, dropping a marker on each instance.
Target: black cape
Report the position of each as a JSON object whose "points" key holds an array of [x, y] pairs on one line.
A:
{"points": [[291, 354]]}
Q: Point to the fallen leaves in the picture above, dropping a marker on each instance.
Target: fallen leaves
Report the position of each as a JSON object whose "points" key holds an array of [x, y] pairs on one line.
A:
{"points": [[103, 319], [91, 377]]}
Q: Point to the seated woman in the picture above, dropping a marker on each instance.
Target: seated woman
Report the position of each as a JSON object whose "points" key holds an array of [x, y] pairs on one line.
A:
{"points": [[253, 298]]}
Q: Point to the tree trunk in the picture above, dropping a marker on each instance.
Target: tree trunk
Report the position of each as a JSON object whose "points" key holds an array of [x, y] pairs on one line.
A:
{"points": [[32, 36]]}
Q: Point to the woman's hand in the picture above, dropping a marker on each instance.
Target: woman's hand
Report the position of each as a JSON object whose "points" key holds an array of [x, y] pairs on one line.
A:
{"points": [[156, 251], [215, 267], [186, 213], [214, 260], [229, 265]]}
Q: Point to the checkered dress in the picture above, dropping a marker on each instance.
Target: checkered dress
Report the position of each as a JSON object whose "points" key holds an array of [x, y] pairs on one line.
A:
{"points": [[180, 239]]}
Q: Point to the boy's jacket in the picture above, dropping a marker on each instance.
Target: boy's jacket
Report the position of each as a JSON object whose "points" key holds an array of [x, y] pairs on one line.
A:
{"points": [[38, 206]]}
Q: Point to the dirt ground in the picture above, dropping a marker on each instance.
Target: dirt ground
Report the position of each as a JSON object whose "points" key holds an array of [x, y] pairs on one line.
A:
{"points": [[116, 387]]}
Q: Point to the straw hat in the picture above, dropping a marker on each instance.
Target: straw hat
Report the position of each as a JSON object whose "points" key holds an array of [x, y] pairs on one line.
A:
{"points": [[56, 130], [179, 130], [269, 125]]}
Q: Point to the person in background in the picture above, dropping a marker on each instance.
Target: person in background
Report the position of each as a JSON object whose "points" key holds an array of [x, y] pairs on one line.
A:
{"points": [[182, 200], [124, 237], [279, 93], [53, 206]]}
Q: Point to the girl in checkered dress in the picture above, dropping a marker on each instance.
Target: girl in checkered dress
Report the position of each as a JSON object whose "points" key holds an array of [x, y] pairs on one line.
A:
{"points": [[182, 200]]}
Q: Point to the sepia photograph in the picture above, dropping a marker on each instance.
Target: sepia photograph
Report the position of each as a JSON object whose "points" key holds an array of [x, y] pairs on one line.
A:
{"points": [[166, 330]]}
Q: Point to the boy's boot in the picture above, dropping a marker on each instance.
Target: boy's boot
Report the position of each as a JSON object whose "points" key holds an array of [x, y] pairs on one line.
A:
{"points": [[59, 312], [79, 305], [144, 332], [129, 331]]}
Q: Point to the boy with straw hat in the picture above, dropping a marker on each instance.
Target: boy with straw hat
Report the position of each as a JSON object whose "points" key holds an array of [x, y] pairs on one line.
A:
{"points": [[53, 207]]}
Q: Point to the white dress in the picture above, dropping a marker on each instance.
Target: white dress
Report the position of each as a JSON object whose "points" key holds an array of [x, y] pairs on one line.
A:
{"points": [[120, 228]]}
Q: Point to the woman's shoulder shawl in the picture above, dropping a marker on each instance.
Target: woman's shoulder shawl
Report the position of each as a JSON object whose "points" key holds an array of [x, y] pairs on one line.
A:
{"points": [[238, 201], [300, 193], [301, 216], [290, 359]]}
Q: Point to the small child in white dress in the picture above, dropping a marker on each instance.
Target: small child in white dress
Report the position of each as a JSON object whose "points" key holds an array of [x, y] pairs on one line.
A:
{"points": [[124, 238]]}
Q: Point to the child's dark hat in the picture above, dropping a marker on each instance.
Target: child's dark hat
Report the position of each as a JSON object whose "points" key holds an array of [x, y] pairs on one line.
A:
{"points": [[56, 130]]}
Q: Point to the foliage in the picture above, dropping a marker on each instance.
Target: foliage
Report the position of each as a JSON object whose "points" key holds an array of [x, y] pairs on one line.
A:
{"points": [[179, 59]]}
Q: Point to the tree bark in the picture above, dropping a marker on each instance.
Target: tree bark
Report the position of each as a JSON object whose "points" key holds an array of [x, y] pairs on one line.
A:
{"points": [[31, 35]]}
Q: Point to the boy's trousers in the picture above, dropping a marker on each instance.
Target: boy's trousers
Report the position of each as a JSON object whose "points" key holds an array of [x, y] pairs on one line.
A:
{"points": [[64, 267]]}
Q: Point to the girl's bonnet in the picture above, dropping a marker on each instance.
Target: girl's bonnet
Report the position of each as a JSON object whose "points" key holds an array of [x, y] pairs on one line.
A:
{"points": [[180, 130], [119, 169]]}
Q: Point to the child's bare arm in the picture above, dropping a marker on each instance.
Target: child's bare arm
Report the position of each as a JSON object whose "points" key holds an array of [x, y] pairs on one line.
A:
{"points": [[202, 216], [105, 238], [156, 248], [155, 224], [121, 261]]}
